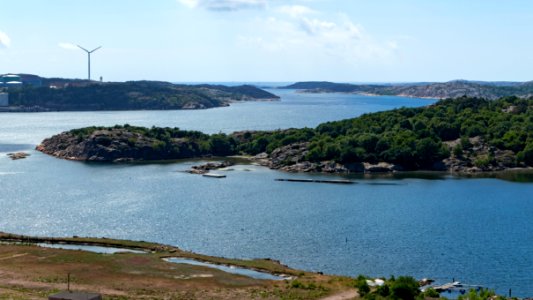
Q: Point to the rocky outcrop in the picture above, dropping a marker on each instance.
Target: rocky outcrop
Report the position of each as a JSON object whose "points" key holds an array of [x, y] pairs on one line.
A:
{"points": [[291, 158], [117, 145], [478, 156], [101, 145], [18, 155], [205, 168]]}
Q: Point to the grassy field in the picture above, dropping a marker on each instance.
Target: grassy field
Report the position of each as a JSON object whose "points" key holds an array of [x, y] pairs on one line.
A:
{"points": [[28, 271]]}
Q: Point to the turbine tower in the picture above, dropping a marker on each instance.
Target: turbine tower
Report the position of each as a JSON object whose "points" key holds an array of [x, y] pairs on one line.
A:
{"points": [[89, 57]]}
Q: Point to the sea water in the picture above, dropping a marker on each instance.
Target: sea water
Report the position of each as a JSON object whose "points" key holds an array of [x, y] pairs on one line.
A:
{"points": [[478, 231]]}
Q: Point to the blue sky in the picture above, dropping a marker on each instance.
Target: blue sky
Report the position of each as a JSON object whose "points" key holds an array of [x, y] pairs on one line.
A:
{"points": [[270, 40]]}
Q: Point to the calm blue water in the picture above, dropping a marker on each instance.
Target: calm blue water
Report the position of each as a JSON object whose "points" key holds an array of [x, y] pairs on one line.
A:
{"points": [[478, 231]]}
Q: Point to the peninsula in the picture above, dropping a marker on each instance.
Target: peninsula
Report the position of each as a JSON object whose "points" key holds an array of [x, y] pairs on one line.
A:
{"points": [[456, 135], [437, 90], [82, 95], [124, 269]]}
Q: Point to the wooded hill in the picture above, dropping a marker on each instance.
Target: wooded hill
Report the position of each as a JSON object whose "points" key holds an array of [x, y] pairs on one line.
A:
{"points": [[451, 89], [454, 134], [132, 95]]}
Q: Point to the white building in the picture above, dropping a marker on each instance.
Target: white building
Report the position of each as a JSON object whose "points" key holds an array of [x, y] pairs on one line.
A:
{"points": [[4, 99]]}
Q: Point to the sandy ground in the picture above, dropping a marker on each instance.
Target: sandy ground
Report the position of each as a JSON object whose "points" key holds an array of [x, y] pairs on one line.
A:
{"points": [[346, 295]]}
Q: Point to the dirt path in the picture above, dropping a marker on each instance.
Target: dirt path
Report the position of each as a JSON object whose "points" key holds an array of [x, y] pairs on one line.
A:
{"points": [[13, 256], [346, 295]]}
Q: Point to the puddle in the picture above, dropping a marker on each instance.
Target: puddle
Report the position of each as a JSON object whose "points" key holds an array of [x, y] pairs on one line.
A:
{"points": [[228, 269], [95, 249]]}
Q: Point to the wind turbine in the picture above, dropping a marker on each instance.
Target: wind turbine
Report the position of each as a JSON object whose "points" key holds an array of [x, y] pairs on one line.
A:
{"points": [[89, 57]]}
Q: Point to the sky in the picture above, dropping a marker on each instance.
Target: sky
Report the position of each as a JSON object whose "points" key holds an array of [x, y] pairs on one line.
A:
{"points": [[270, 40]]}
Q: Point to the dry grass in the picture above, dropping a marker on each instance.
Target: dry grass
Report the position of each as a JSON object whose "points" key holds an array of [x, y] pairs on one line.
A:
{"points": [[31, 272]]}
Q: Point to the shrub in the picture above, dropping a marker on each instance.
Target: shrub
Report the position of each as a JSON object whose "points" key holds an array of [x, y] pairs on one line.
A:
{"points": [[458, 150], [431, 293], [405, 288], [483, 161], [526, 155], [361, 285]]}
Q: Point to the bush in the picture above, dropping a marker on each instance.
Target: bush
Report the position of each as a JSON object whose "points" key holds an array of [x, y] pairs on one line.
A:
{"points": [[405, 288], [458, 150], [362, 286], [383, 290], [431, 293], [526, 155], [483, 161], [482, 294]]}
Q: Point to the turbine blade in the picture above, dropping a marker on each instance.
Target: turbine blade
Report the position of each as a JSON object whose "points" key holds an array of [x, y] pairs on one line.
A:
{"points": [[95, 49], [83, 48]]}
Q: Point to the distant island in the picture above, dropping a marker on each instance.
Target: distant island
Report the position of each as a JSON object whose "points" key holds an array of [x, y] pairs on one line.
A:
{"points": [[451, 89], [457, 135], [56, 94]]}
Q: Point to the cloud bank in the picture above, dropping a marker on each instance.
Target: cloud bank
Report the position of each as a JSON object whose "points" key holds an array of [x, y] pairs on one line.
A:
{"points": [[5, 41]]}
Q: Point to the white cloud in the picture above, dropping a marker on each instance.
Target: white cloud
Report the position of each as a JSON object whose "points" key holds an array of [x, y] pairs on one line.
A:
{"points": [[340, 39], [189, 3], [68, 46], [5, 41], [225, 5], [295, 11]]}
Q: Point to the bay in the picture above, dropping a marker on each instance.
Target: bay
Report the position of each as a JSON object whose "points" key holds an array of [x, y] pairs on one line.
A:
{"points": [[476, 230]]}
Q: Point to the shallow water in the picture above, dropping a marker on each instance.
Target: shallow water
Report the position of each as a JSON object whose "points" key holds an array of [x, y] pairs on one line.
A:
{"points": [[476, 230], [227, 269], [89, 248]]}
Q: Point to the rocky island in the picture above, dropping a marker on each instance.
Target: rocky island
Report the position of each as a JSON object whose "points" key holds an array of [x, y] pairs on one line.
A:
{"points": [[436, 90], [456, 135], [82, 95]]}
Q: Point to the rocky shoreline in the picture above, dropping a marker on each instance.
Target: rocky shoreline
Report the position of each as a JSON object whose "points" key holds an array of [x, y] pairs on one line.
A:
{"points": [[479, 158], [115, 145]]}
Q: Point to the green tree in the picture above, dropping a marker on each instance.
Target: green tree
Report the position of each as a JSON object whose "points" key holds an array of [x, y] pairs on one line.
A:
{"points": [[405, 288]]}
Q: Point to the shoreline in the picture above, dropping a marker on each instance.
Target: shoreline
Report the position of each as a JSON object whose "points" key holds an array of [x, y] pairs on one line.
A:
{"points": [[150, 273], [39, 109], [251, 160], [366, 94], [168, 251], [85, 266]]}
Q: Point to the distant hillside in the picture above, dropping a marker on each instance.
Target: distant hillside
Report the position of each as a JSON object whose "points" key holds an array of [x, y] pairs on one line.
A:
{"points": [[73, 95], [451, 89]]}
